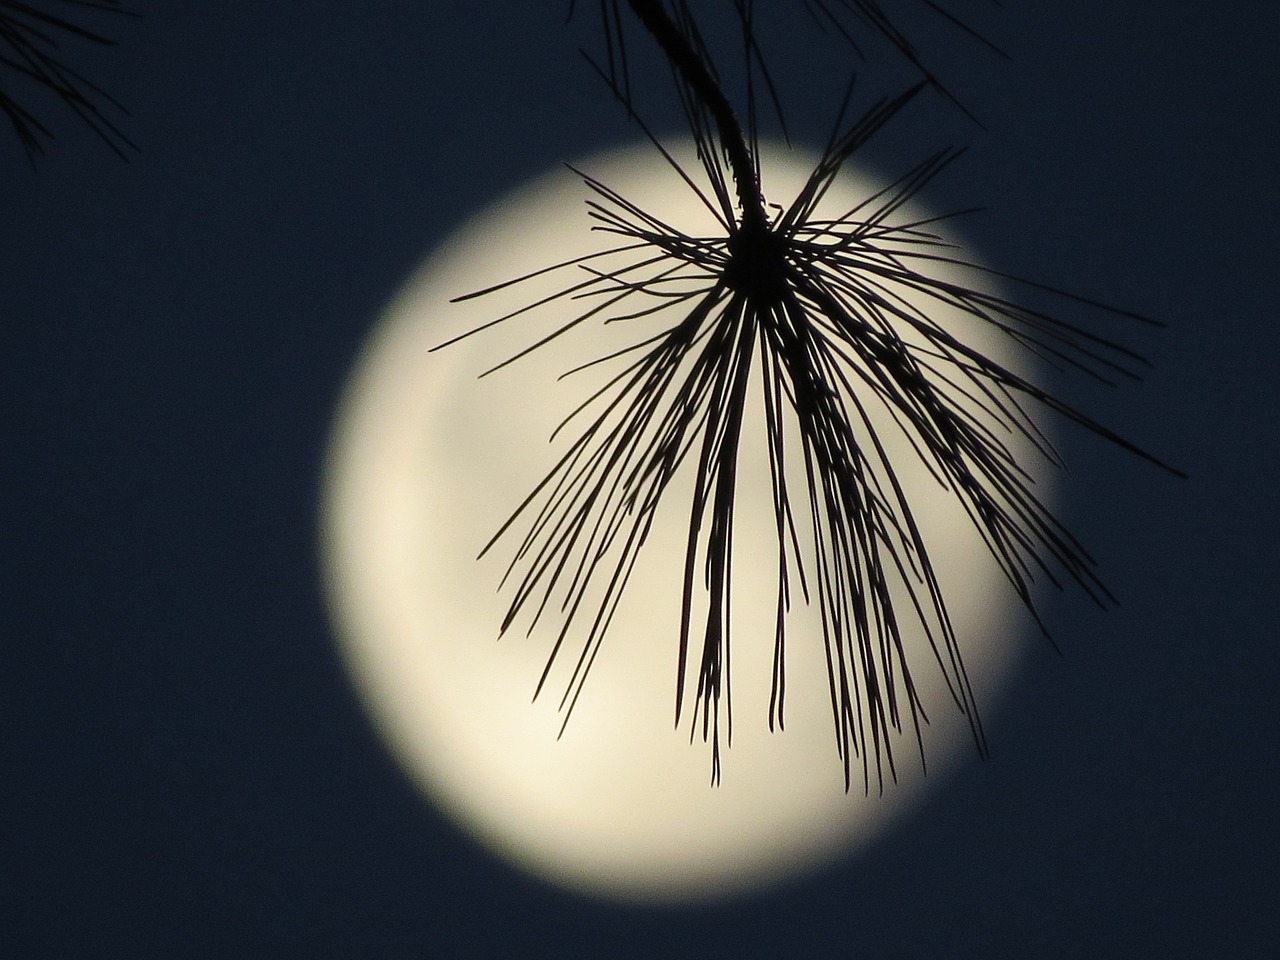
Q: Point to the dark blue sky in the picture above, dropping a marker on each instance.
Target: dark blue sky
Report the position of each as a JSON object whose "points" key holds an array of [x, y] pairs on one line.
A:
{"points": [[186, 770]]}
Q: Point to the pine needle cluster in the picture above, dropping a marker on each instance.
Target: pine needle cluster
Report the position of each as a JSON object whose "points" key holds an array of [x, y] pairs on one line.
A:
{"points": [[33, 34], [834, 319]]}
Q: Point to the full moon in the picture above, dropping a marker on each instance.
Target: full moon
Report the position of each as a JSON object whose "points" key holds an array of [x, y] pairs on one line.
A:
{"points": [[426, 462]]}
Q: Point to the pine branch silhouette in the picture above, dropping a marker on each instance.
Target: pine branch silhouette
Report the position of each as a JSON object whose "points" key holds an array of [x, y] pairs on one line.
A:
{"points": [[855, 21], [825, 313], [31, 36]]}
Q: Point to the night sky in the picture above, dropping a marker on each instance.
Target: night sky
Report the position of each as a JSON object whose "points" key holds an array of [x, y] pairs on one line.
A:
{"points": [[187, 771]]}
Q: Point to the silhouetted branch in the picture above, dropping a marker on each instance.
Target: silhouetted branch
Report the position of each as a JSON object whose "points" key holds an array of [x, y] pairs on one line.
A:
{"points": [[838, 318], [31, 37]]}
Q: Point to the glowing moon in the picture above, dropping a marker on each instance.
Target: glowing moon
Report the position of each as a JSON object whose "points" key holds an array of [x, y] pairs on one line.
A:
{"points": [[427, 461]]}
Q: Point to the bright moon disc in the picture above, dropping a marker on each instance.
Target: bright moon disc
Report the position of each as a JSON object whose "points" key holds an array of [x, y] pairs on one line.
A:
{"points": [[426, 463]]}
